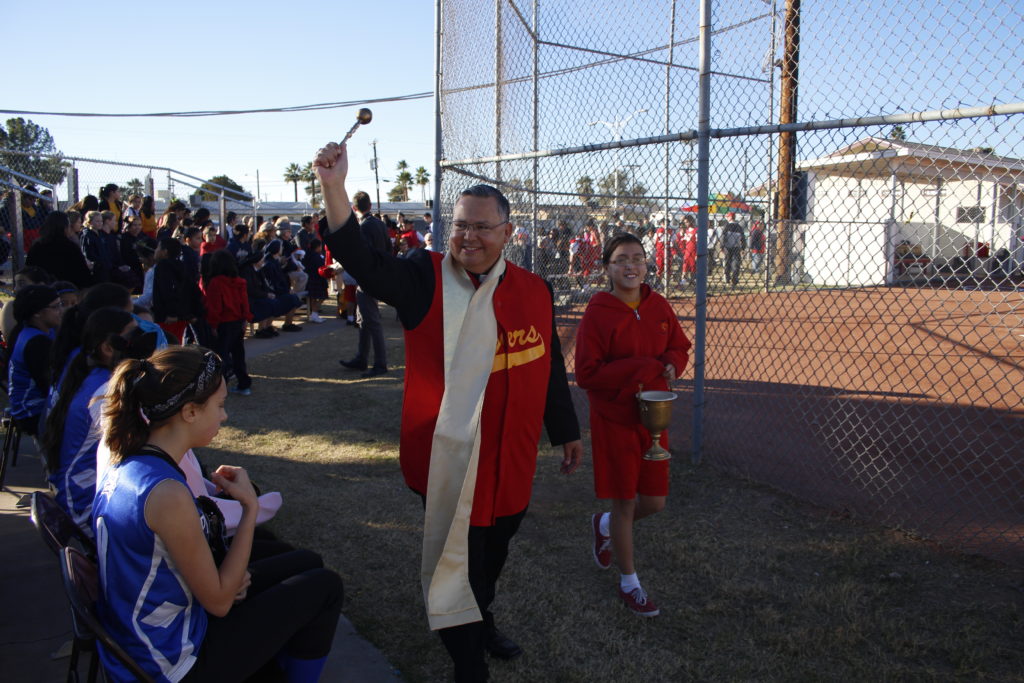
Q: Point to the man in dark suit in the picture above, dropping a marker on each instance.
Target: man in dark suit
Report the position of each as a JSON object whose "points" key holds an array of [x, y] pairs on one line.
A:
{"points": [[375, 235]]}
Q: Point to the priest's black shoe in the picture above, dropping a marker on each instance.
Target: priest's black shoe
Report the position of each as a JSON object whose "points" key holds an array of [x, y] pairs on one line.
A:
{"points": [[501, 646]]}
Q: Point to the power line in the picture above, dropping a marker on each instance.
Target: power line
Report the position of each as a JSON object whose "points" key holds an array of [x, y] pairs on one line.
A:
{"points": [[230, 112]]}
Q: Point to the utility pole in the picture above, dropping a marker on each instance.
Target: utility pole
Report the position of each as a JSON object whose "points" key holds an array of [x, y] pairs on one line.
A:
{"points": [[787, 141], [376, 173]]}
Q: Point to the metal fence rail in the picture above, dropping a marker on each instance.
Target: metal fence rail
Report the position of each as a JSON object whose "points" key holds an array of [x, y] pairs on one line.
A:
{"points": [[863, 347], [73, 178]]}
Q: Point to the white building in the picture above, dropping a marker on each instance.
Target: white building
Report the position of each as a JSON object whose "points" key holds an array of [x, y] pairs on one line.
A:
{"points": [[881, 210]]}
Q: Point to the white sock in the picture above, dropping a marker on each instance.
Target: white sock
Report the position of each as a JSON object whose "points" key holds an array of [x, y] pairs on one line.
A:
{"points": [[628, 582], [603, 524]]}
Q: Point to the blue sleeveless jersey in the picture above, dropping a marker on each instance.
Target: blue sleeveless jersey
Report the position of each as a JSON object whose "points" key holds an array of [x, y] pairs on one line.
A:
{"points": [[75, 478], [27, 399], [144, 602]]}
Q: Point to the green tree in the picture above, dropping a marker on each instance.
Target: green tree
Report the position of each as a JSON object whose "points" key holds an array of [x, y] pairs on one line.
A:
{"points": [[897, 133], [309, 176], [617, 184], [396, 194], [209, 191], [518, 191], [134, 186], [293, 174], [403, 181], [585, 191], [422, 179], [43, 159]]}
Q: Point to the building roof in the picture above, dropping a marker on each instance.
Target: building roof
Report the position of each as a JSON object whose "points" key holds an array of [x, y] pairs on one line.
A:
{"points": [[876, 157]]}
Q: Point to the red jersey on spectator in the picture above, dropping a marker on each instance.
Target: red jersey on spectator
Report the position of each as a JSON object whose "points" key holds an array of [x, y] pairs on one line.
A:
{"points": [[227, 300]]}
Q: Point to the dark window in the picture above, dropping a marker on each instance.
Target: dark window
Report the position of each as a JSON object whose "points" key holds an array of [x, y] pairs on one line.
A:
{"points": [[970, 214]]}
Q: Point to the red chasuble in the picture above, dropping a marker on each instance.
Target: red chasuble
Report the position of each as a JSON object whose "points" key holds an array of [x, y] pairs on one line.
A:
{"points": [[514, 402]]}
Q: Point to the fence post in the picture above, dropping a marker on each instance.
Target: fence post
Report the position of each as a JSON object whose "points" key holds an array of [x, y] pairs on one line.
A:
{"points": [[437, 224], [73, 186], [701, 298], [222, 210], [536, 137], [19, 232]]}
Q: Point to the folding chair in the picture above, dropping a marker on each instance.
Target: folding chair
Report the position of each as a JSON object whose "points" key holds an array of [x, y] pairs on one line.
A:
{"points": [[12, 442], [57, 528], [81, 583]]}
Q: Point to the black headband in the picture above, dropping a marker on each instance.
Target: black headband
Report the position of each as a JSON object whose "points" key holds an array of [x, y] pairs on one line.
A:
{"points": [[208, 374]]}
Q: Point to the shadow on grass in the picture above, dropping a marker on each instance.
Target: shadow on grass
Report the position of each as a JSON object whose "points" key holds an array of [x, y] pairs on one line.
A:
{"points": [[753, 585]]}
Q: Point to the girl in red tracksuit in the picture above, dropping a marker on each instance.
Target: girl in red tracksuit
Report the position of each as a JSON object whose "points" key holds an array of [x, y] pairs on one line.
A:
{"points": [[628, 337], [227, 312]]}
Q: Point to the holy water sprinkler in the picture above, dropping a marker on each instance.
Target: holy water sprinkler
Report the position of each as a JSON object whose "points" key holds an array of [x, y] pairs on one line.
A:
{"points": [[363, 117]]}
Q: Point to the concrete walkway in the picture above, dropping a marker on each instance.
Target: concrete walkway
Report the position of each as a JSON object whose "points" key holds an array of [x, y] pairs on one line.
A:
{"points": [[36, 622]]}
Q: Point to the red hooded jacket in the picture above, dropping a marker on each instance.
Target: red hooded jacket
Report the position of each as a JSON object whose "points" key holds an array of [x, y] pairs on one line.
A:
{"points": [[618, 349], [227, 300]]}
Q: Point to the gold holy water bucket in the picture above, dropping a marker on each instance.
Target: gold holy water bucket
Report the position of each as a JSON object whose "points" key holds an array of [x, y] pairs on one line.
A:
{"points": [[656, 414]]}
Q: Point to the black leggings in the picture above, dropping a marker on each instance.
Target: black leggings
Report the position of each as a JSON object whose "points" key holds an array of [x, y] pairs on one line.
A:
{"points": [[230, 347], [292, 607]]}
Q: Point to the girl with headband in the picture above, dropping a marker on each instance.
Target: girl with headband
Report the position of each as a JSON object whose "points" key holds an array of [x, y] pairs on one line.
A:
{"points": [[162, 596]]}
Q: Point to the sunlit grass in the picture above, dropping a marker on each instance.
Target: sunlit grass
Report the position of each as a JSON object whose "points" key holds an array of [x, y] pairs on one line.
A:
{"points": [[753, 585]]}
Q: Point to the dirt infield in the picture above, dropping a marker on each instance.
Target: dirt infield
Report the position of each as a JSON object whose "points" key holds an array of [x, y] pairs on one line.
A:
{"points": [[904, 406]]}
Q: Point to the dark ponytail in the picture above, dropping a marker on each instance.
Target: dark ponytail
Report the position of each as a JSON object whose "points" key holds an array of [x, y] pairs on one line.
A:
{"points": [[143, 395], [100, 327]]}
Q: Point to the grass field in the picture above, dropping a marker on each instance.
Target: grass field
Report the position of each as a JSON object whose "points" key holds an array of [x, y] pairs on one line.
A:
{"points": [[753, 585]]}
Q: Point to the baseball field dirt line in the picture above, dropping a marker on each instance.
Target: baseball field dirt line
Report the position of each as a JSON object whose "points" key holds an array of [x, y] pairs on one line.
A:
{"points": [[902, 406]]}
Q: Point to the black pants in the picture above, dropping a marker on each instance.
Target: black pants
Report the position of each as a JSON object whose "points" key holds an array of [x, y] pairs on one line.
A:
{"points": [[371, 332], [733, 259], [488, 549], [292, 607], [230, 347]]}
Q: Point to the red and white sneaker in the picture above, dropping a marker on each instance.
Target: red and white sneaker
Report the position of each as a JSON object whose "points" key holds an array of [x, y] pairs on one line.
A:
{"points": [[638, 602], [602, 544]]}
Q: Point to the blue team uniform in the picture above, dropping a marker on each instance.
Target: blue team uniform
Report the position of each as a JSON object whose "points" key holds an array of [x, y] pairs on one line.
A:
{"points": [[27, 399], [75, 478], [144, 601]]}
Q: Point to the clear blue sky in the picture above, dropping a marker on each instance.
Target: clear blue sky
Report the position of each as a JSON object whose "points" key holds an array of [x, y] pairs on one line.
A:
{"points": [[190, 55], [858, 57]]}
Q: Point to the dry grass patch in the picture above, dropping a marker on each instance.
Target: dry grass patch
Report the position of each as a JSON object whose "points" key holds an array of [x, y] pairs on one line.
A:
{"points": [[753, 585]]}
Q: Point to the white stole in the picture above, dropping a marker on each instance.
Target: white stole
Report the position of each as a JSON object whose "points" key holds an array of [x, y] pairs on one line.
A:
{"points": [[470, 338]]}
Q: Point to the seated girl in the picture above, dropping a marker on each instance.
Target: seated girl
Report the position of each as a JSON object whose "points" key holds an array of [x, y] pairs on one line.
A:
{"points": [[37, 310], [163, 598], [69, 440]]}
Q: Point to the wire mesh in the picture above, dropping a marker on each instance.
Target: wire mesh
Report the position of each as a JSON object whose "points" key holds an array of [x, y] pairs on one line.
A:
{"points": [[864, 324]]}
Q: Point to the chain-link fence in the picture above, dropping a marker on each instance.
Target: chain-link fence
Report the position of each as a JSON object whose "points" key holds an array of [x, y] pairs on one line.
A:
{"points": [[830, 195], [71, 180]]}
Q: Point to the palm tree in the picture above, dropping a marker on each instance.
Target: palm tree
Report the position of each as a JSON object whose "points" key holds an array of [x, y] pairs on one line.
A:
{"points": [[404, 181], [309, 175], [134, 186], [422, 179], [585, 189], [293, 174]]}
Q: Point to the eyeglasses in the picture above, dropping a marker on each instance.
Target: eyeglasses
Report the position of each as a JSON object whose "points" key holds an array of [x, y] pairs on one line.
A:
{"points": [[635, 261], [57, 305], [460, 228]]}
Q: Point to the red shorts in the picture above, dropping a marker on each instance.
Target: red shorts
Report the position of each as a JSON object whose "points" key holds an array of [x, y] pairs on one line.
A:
{"points": [[349, 294], [619, 468]]}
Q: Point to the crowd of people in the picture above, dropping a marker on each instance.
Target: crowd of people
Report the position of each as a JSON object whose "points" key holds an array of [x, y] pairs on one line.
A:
{"points": [[98, 375], [577, 254], [484, 374]]}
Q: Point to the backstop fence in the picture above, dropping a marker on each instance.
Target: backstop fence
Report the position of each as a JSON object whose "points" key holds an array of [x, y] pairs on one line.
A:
{"points": [[858, 339]]}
